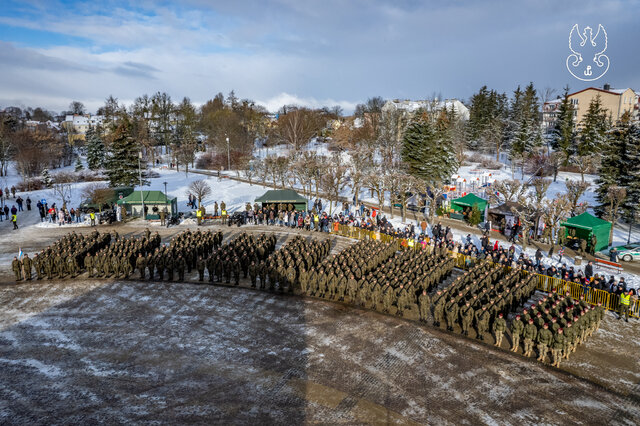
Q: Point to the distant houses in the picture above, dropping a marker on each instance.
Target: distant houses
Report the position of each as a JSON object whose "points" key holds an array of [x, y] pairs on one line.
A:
{"points": [[615, 101]]}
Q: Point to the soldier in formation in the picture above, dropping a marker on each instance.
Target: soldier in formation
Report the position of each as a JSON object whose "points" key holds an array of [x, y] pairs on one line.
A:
{"points": [[558, 323]]}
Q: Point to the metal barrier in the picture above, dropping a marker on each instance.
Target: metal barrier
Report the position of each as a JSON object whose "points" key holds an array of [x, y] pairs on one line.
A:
{"points": [[545, 283]]}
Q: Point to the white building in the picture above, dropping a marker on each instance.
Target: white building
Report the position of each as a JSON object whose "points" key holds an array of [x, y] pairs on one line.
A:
{"points": [[412, 106], [81, 123]]}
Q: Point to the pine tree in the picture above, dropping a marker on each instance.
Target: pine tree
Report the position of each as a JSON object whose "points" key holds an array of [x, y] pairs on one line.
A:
{"points": [[487, 119], [563, 133], [122, 165], [427, 149], [78, 165], [620, 166], [46, 178], [593, 129], [95, 149]]}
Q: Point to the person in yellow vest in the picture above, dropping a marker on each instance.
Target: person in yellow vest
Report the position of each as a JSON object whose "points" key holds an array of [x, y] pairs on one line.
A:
{"points": [[316, 222], [625, 304], [199, 216], [411, 243], [92, 215], [14, 220], [224, 216]]}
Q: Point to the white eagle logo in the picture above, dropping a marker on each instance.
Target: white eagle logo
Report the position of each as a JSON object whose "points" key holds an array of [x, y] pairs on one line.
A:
{"points": [[587, 62]]}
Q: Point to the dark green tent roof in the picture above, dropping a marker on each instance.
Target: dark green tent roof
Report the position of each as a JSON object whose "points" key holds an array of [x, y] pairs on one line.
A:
{"points": [[281, 196], [150, 197], [586, 221], [469, 200]]}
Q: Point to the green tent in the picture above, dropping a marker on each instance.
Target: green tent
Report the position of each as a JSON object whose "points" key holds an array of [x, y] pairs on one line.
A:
{"points": [[585, 225], [467, 202], [154, 202], [283, 196]]}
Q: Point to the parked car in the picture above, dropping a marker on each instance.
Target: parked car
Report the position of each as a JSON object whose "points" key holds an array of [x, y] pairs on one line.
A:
{"points": [[628, 252]]}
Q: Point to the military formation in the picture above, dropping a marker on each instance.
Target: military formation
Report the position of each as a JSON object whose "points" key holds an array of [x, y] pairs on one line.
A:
{"points": [[481, 298], [557, 323], [407, 276], [293, 266], [65, 258], [374, 274], [340, 277]]}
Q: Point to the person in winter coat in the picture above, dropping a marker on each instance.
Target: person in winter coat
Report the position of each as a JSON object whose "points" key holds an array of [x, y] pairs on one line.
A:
{"points": [[588, 270]]}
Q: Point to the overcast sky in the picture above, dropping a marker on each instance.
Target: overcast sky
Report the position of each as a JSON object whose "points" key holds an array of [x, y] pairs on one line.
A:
{"points": [[276, 52]]}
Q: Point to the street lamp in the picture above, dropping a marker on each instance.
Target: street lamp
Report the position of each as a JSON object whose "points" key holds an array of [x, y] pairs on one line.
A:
{"points": [[165, 194], [140, 177], [228, 156], [632, 219]]}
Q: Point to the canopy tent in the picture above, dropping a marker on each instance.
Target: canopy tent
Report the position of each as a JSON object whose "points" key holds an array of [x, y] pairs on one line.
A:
{"points": [[506, 209], [154, 202], [283, 197], [467, 202], [586, 225]]}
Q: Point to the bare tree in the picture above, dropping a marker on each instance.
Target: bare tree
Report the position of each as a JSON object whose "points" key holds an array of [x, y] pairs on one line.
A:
{"points": [[540, 188], [98, 193], [62, 191], [359, 166], [334, 179], [250, 168], [261, 170], [575, 190], [278, 168], [547, 94], [615, 197], [6, 146], [436, 190], [305, 168], [555, 212], [584, 163], [390, 132], [402, 188], [201, 190], [507, 190], [296, 127], [530, 209], [378, 184]]}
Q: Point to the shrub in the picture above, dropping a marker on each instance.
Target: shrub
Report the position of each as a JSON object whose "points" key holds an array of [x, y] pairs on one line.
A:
{"points": [[475, 217], [490, 164], [215, 161], [540, 165], [32, 184]]}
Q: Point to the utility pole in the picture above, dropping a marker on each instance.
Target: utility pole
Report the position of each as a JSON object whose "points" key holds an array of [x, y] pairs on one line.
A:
{"points": [[140, 177]]}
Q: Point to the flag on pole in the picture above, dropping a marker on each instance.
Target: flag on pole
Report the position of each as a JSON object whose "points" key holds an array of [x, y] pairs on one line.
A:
{"points": [[20, 253]]}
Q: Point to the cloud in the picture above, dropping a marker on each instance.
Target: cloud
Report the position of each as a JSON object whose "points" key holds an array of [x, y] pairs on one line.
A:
{"points": [[299, 51], [274, 103]]}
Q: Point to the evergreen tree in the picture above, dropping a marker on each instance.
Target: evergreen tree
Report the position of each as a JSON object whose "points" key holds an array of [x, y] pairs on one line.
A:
{"points": [[427, 148], [594, 127], [46, 178], [620, 166], [122, 165], [95, 149], [523, 128], [563, 133], [78, 165], [487, 119]]}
